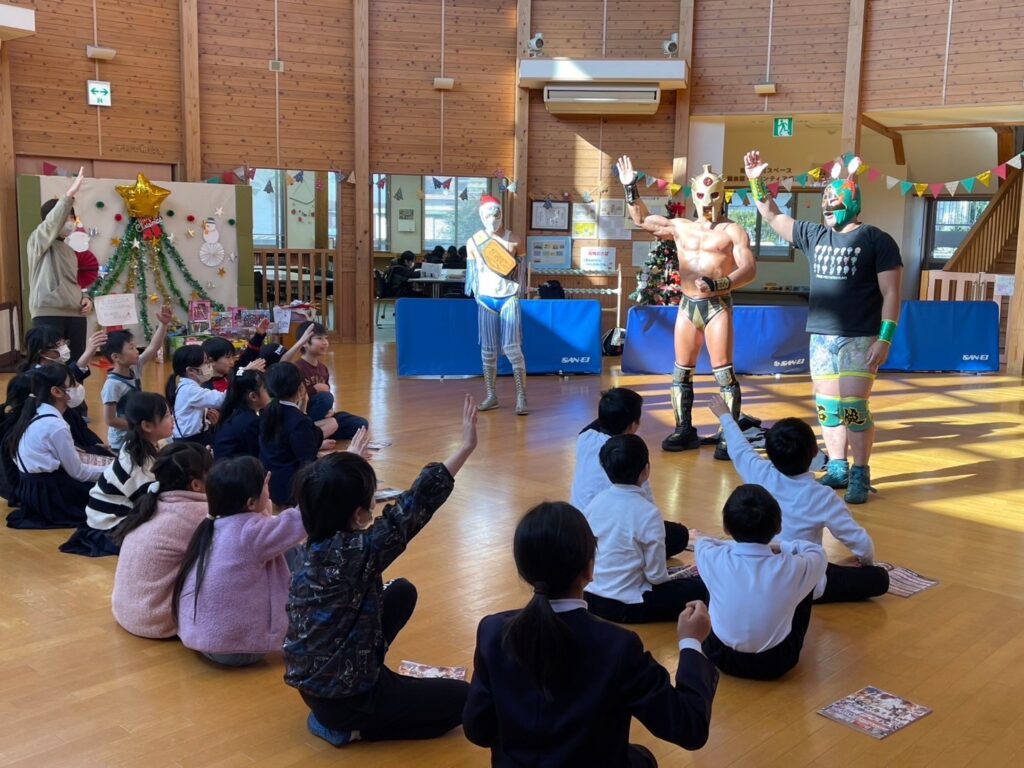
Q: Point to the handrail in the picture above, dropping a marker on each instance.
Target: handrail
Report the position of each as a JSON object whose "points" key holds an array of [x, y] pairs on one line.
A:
{"points": [[286, 274], [981, 247]]}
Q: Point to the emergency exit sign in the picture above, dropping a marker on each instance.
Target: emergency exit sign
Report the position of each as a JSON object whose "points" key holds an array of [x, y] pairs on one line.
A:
{"points": [[98, 92], [782, 127]]}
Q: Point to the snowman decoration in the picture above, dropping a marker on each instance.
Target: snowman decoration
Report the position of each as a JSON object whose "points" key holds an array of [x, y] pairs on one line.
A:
{"points": [[211, 252]]}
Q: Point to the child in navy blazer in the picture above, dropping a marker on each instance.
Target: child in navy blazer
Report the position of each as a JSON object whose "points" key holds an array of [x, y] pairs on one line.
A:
{"points": [[238, 431]]}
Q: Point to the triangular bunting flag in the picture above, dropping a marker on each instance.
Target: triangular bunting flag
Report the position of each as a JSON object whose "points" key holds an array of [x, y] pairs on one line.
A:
{"points": [[984, 177], [673, 189], [649, 181], [1016, 162], [241, 172], [269, 189], [773, 189], [661, 183], [729, 195], [213, 181], [905, 187], [891, 182], [936, 189], [874, 174], [801, 180], [920, 189], [447, 183], [512, 187], [464, 194], [815, 173], [1001, 171], [399, 195], [615, 172], [968, 184], [740, 196], [951, 186], [49, 169], [251, 173], [787, 184], [640, 175], [686, 193], [228, 177]]}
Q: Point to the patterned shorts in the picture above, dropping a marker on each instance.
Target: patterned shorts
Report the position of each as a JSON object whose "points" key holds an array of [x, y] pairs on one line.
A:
{"points": [[702, 311], [836, 356]]}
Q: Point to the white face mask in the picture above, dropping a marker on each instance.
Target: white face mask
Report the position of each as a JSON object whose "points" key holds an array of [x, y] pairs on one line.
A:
{"points": [[76, 396], [206, 372], [64, 353]]}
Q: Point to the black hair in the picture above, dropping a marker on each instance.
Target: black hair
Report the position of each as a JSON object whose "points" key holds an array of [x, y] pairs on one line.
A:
{"points": [[40, 339], [619, 409], [114, 345], [318, 330], [240, 386], [453, 252], [553, 547], [176, 466], [229, 487], [330, 490], [623, 458], [188, 356], [462, 252], [140, 407], [283, 382], [271, 352], [217, 347], [791, 446], [43, 380], [408, 256], [18, 389], [49, 205], [751, 514]]}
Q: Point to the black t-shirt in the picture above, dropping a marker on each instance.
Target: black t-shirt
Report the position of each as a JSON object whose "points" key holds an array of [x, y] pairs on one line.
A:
{"points": [[845, 298]]}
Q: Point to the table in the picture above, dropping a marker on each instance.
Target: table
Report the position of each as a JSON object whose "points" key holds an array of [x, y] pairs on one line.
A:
{"points": [[436, 283]]}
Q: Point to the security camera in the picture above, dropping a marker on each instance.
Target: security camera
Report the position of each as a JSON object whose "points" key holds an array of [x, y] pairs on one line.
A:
{"points": [[671, 46], [536, 44]]}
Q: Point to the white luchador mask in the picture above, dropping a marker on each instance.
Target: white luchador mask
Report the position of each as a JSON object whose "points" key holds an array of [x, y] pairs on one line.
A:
{"points": [[490, 214], [708, 194]]}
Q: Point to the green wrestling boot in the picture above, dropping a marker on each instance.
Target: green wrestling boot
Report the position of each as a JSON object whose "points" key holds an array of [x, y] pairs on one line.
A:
{"points": [[860, 484], [837, 474]]}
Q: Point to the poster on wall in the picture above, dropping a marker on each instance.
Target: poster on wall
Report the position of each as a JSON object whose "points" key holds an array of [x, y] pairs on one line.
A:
{"points": [[593, 259], [641, 252], [406, 220], [613, 207], [546, 214], [549, 252], [613, 228], [584, 221]]}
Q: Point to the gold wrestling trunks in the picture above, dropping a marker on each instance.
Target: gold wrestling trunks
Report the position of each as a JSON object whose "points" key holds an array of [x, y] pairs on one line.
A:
{"points": [[701, 311]]}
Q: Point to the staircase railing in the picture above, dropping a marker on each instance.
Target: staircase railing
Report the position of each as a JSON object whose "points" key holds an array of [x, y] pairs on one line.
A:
{"points": [[981, 247]]}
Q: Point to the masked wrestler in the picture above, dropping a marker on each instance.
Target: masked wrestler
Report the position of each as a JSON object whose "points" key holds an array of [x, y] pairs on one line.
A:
{"points": [[498, 278], [714, 257], [854, 304]]}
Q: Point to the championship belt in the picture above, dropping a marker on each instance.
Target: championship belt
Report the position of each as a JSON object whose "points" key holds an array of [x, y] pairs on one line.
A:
{"points": [[495, 255]]}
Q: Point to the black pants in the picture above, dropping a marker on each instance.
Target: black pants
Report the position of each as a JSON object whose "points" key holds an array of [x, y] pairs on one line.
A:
{"points": [[766, 665], [677, 536], [641, 757], [851, 583], [397, 707], [663, 602], [71, 328]]}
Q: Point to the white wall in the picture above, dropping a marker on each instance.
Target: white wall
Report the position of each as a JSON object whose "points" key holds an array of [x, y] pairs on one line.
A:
{"points": [[405, 241]]}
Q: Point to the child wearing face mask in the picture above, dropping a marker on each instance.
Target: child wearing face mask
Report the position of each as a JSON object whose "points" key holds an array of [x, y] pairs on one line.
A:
{"points": [[194, 407], [53, 484]]}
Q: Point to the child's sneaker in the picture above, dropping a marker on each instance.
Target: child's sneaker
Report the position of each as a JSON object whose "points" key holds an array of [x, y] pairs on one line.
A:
{"points": [[334, 738], [860, 484], [837, 474]]}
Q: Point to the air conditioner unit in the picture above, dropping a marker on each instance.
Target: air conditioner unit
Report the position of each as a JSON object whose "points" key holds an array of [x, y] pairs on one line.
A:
{"points": [[639, 99]]}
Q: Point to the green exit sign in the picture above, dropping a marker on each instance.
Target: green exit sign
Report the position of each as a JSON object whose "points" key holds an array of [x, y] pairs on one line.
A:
{"points": [[98, 93], [782, 128]]}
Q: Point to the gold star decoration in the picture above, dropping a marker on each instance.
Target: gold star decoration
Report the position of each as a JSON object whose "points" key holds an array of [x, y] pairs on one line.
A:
{"points": [[190, 232], [221, 272], [195, 295], [143, 198], [116, 242]]}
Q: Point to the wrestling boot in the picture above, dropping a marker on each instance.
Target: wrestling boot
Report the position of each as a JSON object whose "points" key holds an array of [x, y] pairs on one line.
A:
{"points": [[519, 374], [729, 388], [860, 484], [490, 397], [685, 437], [837, 474]]}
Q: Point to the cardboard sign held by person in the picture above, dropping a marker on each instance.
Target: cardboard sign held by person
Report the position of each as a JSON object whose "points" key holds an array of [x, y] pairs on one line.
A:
{"points": [[495, 255], [116, 309]]}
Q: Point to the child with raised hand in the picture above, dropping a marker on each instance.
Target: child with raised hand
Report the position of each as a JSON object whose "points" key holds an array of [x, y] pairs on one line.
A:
{"points": [[238, 431], [760, 595], [808, 507], [224, 360], [316, 378], [288, 437], [230, 593], [153, 540], [53, 483], [192, 405], [342, 618], [555, 686], [125, 374], [112, 499]]}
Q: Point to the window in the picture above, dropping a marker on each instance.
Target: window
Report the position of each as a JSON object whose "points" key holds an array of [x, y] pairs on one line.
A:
{"points": [[267, 209], [447, 218], [766, 245], [946, 225], [381, 196], [284, 214]]}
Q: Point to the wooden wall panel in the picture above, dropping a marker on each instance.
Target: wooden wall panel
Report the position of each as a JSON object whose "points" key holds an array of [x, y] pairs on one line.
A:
{"points": [[730, 56], [580, 29], [986, 63]]}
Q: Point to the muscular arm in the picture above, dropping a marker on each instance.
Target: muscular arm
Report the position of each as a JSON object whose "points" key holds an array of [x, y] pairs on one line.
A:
{"points": [[781, 222], [658, 226], [889, 284], [746, 264]]}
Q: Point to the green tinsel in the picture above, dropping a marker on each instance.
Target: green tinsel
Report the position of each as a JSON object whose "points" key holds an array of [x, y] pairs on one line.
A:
{"points": [[144, 292]]}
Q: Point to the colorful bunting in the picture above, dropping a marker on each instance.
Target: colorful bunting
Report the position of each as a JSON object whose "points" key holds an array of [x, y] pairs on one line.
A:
{"points": [[936, 189], [1001, 171], [815, 173], [464, 194], [773, 189], [951, 186], [1016, 161], [512, 187], [984, 177], [649, 181], [905, 187], [447, 183], [673, 189], [874, 174], [661, 183], [968, 184], [920, 189], [787, 184], [499, 173], [269, 189], [640, 175], [891, 182], [802, 179], [686, 193], [729, 194], [49, 169]]}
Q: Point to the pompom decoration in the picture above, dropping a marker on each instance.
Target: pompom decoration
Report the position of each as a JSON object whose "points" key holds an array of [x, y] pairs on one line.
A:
{"points": [[100, 204], [231, 222], [118, 217], [154, 298], [169, 213], [190, 218]]}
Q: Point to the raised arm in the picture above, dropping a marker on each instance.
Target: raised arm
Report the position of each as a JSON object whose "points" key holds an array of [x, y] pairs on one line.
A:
{"points": [[42, 237], [781, 222], [163, 320], [659, 226]]}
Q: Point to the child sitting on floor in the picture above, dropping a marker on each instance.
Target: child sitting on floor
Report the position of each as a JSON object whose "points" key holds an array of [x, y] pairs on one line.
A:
{"points": [[238, 431], [153, 540], [317, 381], [760, 598], [808, 507], [342, 618], [194, 407], [631, 581]]}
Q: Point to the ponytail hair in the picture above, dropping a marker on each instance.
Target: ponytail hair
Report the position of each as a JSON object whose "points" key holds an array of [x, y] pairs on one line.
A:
{"points": [[43, 379], [140, 407], [553, 547], [18, 390], [283, 382], [240, 386], [188, 356], [230, 486], [177, 465]]}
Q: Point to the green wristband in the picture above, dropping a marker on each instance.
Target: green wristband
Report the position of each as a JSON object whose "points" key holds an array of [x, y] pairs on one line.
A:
{"points": [[887, 331], [760, 190]]}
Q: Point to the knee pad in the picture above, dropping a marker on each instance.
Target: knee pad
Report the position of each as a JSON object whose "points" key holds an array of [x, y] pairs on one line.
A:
{"points": [[489, 355], [855, 414], [729, 387], [725, 376], [681, 374], [828, 410], [514, 353]]}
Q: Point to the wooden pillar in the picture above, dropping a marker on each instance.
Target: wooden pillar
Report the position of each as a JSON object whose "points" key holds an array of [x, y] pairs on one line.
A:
{"points": [[1004, 143], [681, 138], [851, 91], [362, 225], [519, 220], [321, 214], [10, 260], [192, 166], [1015, 321]]}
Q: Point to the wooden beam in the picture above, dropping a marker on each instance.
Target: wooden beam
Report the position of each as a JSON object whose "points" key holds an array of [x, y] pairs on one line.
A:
{"points": [[192, 154], [1015, 321], [681, 134], [897, 141], [851, 91], [951, 126], [519, 220], [362, 227], [1005, 144], [10, 260]]}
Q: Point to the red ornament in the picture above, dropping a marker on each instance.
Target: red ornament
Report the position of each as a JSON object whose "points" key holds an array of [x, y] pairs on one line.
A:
{"points": [[191, 217], [118, 217]]}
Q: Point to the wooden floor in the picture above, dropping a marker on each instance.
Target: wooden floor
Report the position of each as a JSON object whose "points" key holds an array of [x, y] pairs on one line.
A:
{"points": [[76, 690]]}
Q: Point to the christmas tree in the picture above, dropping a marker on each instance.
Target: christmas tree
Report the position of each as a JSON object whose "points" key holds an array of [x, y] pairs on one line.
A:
{"points": [[658, 282], [144, 257]]}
